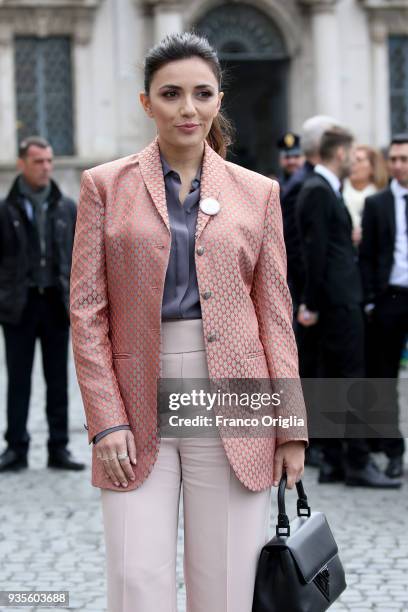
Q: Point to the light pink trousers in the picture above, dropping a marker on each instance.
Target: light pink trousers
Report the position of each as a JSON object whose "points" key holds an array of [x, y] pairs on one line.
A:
{"points": [[225, 524]]}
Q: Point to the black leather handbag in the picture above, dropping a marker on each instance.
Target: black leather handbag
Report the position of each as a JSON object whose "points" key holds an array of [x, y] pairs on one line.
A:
{"points": [[299, 570]]}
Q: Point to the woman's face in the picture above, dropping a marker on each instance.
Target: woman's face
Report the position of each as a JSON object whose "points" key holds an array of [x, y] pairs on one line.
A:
{"points": [[183, 101], [361, 170]]}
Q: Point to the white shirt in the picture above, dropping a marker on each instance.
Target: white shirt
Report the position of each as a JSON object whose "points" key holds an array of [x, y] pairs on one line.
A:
{"points": [[399, 271], [330, 177], [355, 199]]}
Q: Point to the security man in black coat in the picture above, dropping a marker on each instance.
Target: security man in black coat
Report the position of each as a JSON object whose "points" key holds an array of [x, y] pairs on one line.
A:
{"points": [[37, 225]]}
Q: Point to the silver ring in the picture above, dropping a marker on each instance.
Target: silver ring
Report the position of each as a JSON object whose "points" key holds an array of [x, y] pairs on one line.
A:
{"points": [[122, 456]]}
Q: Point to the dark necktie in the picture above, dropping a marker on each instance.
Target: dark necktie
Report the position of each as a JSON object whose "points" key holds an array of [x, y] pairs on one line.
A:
{"points": [[406, 210]]}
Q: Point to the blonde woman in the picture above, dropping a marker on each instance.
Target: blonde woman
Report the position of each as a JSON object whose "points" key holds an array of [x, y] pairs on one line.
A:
{"points": [[368, 175]]}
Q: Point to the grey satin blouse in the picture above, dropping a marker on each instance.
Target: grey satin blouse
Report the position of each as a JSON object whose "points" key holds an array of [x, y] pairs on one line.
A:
{"points": [[181, 298]]}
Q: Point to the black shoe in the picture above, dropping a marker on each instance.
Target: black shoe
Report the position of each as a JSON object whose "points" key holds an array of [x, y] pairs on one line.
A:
{"points": [[61, 460], [370, 476], [394, 467], [12, 461], [330, 473], [313, 456]]}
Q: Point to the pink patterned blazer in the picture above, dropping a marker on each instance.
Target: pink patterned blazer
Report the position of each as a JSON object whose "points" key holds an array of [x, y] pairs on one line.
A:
{"points": [[121, 250]]}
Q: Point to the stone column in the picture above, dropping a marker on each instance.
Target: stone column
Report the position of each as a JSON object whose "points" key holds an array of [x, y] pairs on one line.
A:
{"points": [[8, 119], [380, 83], [326, 55], [84, 101], [168, 18]]}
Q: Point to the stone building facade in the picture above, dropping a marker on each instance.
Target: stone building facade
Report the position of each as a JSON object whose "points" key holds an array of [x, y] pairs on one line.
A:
{"points": [[72, 70]]}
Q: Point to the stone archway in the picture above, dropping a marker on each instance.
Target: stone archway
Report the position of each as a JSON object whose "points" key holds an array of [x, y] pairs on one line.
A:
{"points": [[253, 53]]}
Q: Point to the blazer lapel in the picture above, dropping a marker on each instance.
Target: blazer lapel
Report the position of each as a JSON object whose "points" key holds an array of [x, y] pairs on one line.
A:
{"points": [[152, 174], [212, 181]]}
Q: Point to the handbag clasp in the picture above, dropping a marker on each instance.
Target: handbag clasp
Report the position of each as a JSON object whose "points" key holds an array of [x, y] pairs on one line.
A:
{"points": [[283, 527], [303, 509]]}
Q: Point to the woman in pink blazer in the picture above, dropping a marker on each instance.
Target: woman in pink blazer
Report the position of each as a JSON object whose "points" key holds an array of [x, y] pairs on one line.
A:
{"points": [[179, 271]]}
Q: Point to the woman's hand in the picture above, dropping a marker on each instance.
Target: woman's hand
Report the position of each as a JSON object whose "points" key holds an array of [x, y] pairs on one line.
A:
{"points": [[289, 457], [108, 448]]}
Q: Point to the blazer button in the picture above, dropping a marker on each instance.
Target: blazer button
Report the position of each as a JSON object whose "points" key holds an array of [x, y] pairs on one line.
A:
{"points": [[206, 295], [212, 337], [200, 250]]}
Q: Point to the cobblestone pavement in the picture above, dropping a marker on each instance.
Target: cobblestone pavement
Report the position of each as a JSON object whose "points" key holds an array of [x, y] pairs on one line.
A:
{"points": [[51, 525]]}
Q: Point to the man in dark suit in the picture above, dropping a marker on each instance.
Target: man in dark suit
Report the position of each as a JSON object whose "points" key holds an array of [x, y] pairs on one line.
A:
{"points": [[384, 269], [37, 224], [312, 131], [332, 297], [306, 337]]}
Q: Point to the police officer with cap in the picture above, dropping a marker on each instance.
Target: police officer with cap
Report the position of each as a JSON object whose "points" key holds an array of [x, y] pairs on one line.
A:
{"points": [[291, 157]]}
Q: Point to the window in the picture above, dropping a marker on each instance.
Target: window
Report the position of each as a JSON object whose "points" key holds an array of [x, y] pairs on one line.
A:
{"points": [[398, 58], [44, 90]]}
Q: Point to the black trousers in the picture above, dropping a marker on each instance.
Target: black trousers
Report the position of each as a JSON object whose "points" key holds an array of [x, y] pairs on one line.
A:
{"points": [[340, 341], [44, 317], [387, 330], [308, 343]]}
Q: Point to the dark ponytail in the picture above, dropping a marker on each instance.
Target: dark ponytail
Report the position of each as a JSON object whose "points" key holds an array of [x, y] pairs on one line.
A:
{"points": [[183, 46], [220, 135]]}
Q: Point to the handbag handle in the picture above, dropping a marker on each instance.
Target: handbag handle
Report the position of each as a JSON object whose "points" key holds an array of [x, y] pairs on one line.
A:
{"points": [[303, 508]]}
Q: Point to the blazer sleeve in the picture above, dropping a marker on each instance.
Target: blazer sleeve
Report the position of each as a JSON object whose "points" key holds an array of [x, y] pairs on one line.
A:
{"points": [[314, 220], [273, 307], [92, 349], [368, 251]]}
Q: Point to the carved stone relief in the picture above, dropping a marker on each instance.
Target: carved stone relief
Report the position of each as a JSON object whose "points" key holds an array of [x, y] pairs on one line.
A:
{"points": [[51, 18]]}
